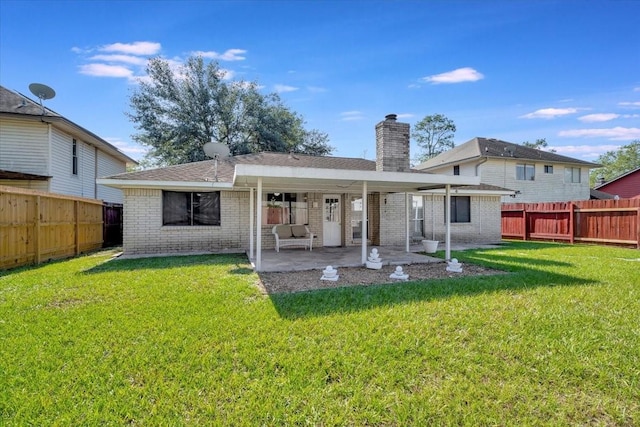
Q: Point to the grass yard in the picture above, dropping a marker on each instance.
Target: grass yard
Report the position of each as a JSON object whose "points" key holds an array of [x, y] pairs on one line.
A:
{"points": [[191, 340]]}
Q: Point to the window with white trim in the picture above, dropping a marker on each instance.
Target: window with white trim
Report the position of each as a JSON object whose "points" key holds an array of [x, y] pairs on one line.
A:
{"points": [[525, 172], [416, 224], [356, 219], [572, 175]]}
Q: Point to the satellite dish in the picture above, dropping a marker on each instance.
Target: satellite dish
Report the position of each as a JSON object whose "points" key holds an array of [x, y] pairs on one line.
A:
{"points": [[216, 149], [42, 91]]}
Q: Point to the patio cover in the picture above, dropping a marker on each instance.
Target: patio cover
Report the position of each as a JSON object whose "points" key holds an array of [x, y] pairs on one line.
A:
{"points": [[291, 178]]}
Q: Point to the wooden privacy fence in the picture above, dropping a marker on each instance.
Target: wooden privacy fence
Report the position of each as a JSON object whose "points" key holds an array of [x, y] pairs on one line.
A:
{"points": [[614, 222], [36, 226]]}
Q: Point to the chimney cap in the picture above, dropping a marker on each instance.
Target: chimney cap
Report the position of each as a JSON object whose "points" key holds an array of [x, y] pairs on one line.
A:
{"points": [[391, 117]]}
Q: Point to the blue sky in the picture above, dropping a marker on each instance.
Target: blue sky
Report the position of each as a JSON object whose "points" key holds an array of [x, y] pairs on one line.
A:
{"points": [[567, 71]]}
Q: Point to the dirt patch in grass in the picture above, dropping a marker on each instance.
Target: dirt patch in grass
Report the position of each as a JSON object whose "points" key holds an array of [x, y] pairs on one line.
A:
{"points": [[297, 281]]}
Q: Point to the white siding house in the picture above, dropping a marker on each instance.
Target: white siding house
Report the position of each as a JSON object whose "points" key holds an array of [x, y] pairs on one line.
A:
{"points": [[44, 151], [535, 175]]}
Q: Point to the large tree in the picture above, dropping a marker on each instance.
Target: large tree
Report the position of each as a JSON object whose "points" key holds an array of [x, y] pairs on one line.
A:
{"points": [[178, 110], [539, 144], [618, 162], [434, 135]]}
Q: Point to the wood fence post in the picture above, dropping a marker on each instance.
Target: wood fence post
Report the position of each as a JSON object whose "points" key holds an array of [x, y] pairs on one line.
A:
{"points": [[36, 233], [572, 231], [638, 226], [525, 225], [76, 240]]}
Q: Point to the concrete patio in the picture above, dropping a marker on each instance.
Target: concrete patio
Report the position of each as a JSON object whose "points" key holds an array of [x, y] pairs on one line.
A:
{"points": [[298, 259]]}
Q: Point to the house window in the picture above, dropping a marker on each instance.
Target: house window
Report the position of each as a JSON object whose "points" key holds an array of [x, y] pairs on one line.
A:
{"points": [[572, 175], [417, 217], [456, 170], [74, 158], [548, 169], [285, 208], [460, 209], [356, 219], [525, 172], [184, 208]]}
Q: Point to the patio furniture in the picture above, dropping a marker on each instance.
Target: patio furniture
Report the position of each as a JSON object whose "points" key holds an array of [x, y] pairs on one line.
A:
{"points": [[292, 235]]}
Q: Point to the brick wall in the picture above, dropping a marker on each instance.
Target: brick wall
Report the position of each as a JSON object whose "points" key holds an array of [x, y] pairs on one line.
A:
{"points": [[145, 234], [485, 225]]}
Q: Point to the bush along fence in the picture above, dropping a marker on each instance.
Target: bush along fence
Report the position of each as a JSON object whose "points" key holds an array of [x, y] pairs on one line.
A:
{"points": [[612, 222], [36, 226]]}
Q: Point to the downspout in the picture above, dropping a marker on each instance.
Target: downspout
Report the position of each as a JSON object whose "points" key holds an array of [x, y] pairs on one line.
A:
{"points": [[485, 160]]}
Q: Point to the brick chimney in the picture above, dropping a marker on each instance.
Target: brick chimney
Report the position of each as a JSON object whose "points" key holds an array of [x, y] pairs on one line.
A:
{"points": [[392, 145]]}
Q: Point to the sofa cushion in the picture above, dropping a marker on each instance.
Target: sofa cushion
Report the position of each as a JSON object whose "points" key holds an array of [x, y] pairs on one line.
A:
{"points": [[299, 230], [284, 231]]}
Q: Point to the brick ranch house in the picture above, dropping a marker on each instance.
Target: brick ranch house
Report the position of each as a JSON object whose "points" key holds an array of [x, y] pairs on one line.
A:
{"points": [[232, 206]]}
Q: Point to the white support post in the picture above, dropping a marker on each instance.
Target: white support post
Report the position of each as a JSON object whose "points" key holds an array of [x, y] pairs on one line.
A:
{"points": [[364, 222], [407, 213], [447, 209], [259, 227], [251, 214]]}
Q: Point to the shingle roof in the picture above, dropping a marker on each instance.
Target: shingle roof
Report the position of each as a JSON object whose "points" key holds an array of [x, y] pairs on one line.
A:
{"points": [[15, 103], [494, 148], [205, 170]]}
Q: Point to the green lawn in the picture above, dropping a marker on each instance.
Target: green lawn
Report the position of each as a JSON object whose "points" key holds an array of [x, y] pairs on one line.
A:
{"points": [[191, 340]]}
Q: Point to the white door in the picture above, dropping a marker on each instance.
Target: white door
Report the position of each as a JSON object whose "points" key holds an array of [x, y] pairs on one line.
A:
{"points": [[331, 221]]}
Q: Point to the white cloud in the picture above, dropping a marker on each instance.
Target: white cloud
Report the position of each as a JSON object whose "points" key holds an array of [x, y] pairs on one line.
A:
{"points": [[127, 59], [316, 89], [406, 115], [629, 104], [636, 89], [603, 117], [466, 74], [549, 113], [414, 86], [131, 149], [228, 55], [135, 48], [79, 50], [584, 151], [349, 116], [106, 70], [614, 134], [284, 88]]}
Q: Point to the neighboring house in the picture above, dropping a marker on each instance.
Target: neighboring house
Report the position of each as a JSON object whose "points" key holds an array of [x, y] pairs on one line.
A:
{"points": [[600, 195], [626, 186], [187, 208], [535, 175], [41, 150]]}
